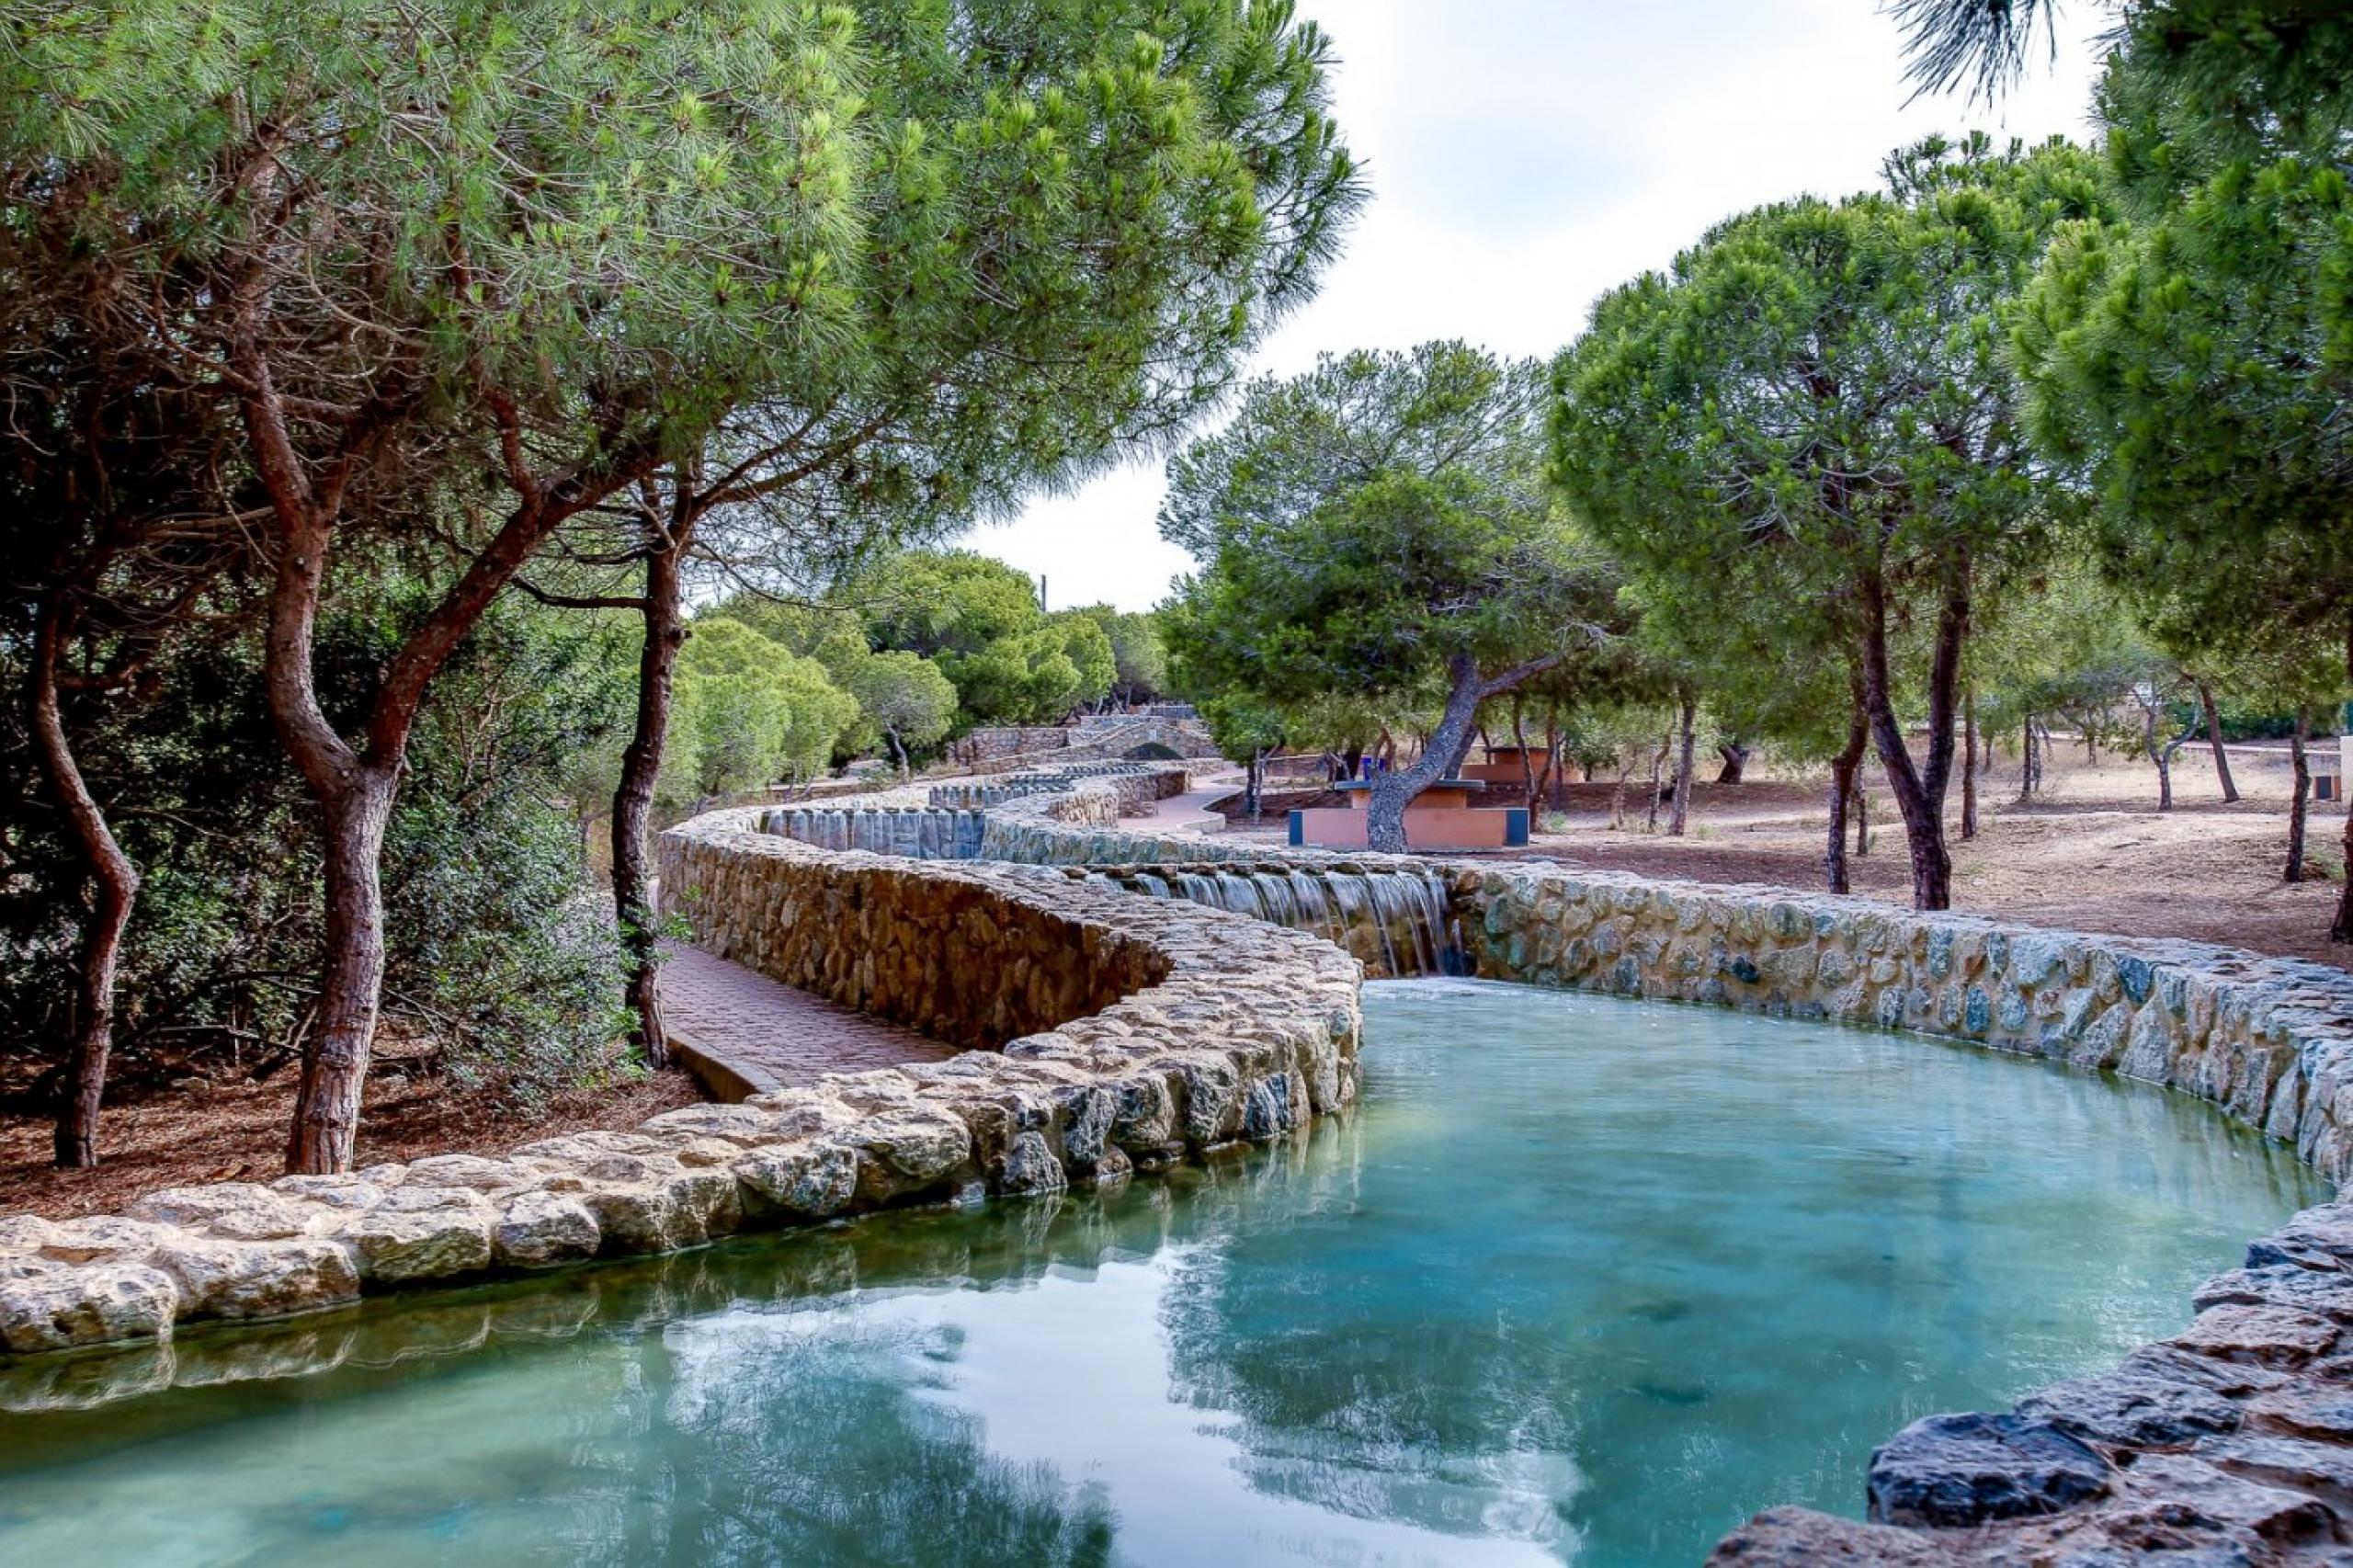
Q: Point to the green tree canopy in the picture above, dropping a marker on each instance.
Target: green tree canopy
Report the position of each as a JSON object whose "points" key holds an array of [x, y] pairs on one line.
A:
{"points": [[1139, 653], [978, 618], [906, 698], [1380, 526], [466, 272], [750, 712], [2192, 357], [1812, 411]]}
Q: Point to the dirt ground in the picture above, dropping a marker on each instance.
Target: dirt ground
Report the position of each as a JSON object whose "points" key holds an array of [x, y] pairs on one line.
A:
{"points": [[233, 1131], [2090, 853]]}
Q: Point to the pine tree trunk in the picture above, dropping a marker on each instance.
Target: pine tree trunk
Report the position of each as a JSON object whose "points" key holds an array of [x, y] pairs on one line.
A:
{"points": [[661, 612], [1658, 771], [1968, 765], [1843, 770], [1394, 788], [2029, 766], [1681, 817], [1550, 783], [2341, 929], [1736, 768], [115, 883], [2214, 740], [2161, 755], [334, 1066], [1862, 818], [1520, 740], [1919, 791], [2299, 800]]}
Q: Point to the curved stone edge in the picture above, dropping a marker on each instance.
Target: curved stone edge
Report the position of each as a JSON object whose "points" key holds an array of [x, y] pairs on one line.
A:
{"points": [[2269, 1040], [1012, 1243], [1133, 1033], [2232, 1441]]}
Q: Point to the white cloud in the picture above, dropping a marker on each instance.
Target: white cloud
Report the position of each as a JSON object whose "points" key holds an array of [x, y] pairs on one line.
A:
{"points": [[1527, 155]]}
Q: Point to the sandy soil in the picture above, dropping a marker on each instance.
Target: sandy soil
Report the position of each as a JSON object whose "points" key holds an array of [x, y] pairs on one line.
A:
{"points": [[234, 1133], [2091, 853]]}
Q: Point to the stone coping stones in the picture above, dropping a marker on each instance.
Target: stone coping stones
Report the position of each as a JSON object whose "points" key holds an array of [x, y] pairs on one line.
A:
{"points": [[2270, 1040], [1132, 1033], [2230, 1443]]}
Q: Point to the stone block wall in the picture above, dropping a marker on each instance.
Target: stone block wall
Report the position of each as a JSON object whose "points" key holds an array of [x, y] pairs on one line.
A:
{"points": [[961, 956], [989, 745]]}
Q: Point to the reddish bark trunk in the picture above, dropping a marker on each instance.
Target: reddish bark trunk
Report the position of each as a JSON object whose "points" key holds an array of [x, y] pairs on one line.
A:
{"points": [[1519, 741], [1969, 766], [1680, 817], [2214, 740], [657, 661], [115, 882], [334, 1065], [2300, 798], [1919, 789], [1842, 770]]}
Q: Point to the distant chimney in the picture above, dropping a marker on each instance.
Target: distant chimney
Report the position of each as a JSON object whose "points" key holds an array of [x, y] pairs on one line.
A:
{"points": [[1041, 590]]}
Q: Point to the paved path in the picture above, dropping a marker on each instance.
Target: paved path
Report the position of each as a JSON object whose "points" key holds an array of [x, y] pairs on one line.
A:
{"points": [[745, 1033], [1189, 812]]}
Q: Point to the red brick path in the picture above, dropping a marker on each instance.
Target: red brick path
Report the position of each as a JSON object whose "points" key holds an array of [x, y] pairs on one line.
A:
{"points": [[770, 1036]]}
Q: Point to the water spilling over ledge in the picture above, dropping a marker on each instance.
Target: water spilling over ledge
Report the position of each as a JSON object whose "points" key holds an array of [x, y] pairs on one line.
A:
{"points": [[1398, 921]]}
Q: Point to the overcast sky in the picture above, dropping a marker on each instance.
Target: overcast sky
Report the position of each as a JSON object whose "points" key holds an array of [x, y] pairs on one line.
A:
{"points": [[1527, 155]]}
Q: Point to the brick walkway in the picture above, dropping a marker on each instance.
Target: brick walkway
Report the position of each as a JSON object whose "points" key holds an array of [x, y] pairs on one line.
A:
{"points": [[751, 1033]]}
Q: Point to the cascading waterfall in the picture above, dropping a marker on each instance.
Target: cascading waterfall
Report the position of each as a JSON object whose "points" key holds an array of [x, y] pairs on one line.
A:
{"points": [[1398, 922], [917, 832]]}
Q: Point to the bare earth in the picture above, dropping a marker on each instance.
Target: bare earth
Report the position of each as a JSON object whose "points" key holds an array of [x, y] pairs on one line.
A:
{"points": [[235, 1132], [2091, 854]]}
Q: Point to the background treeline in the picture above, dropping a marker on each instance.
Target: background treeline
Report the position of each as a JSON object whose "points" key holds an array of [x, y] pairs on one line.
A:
{"points": [[2022, 436], [386, 386]]}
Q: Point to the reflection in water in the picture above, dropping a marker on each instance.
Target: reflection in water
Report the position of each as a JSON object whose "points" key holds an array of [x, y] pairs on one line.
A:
{"points": [[1583, 1280]]}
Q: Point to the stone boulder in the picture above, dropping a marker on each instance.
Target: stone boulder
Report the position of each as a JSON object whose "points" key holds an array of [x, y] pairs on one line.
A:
{"points": [[257, 1279], [47, 1305], [102, 1238], [231, 1210], [811, 1181], [1957, 1470], [921, 1144], [540, 1230], [1799, 1538], [2145, 1404], [423, 1233]]}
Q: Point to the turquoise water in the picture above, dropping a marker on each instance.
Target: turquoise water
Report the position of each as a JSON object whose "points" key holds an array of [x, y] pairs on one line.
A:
{"points": [[1584, 1280]]}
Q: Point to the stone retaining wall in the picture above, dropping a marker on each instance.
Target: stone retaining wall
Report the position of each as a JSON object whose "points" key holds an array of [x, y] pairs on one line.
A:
{"points": [[949, 822], [2270, 1041], [2232, 1442], [1134, 1032]]}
